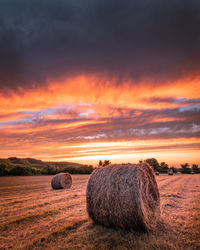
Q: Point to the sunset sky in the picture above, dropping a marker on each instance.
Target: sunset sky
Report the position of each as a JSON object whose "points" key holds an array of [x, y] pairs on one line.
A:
{"points": [[89, 80]]}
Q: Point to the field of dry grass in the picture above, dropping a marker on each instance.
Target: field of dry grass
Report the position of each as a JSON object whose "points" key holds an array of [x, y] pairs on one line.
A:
{"points": [[33, 216]]}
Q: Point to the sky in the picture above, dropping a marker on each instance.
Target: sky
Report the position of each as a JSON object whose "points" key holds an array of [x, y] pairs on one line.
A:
{"points": [[90, 80]]}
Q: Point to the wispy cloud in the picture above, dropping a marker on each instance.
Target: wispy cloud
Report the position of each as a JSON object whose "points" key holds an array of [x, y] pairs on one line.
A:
{"points": [[66, 125]]}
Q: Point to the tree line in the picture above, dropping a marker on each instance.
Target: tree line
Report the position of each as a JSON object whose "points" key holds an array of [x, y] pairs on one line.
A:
{"points": [[19, 170], [164, 168], [49, 169]]}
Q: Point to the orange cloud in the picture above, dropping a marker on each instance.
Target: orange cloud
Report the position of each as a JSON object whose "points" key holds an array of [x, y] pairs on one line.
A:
{"points": [[93, 89], [86, 118]]}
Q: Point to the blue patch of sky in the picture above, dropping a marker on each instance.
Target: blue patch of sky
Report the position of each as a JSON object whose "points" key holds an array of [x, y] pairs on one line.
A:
{"points": [[194, 107], [31, 117], [185, 100]]}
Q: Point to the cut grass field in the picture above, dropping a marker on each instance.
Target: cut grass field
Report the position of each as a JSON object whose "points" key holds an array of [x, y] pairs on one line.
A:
{"points": [[33, 216]]}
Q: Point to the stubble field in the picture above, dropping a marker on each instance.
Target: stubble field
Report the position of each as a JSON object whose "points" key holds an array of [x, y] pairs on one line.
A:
{"points": [[33, 216]]}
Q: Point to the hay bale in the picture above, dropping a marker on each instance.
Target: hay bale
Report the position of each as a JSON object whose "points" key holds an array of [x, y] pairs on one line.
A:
{"points": [[170, 171], [61, 180], [124, 196], [157, 173]]}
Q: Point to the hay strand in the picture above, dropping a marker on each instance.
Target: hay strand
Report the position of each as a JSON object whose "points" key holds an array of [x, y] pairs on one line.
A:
{"points": [[124, 196], [61, 180]]}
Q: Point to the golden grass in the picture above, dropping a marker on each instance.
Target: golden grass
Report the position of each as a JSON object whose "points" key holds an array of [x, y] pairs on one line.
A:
{"points": [[33, 216]]}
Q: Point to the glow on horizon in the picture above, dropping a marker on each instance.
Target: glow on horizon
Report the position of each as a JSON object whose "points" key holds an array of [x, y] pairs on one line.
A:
{"points": [[172, 158], [127, 151]]}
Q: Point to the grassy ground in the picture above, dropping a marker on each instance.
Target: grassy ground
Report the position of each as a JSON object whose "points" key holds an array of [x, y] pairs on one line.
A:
{"points": [[33, 216]]}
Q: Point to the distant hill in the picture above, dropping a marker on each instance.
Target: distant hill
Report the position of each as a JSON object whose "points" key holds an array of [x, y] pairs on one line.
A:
{"points": [[36, 163], [30, 166]]}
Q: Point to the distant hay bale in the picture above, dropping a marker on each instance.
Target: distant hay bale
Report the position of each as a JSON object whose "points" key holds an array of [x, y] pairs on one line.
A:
{"points": [[61, 180], [124, 196], [170, 171], [157, 173]]}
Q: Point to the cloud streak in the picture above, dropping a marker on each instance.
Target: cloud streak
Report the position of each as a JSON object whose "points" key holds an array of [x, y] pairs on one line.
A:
{"points": [[65, 128]]}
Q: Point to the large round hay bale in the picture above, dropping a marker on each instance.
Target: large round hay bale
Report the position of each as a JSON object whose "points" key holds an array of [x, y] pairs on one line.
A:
{"points": [[124, 196], [61, 180]]}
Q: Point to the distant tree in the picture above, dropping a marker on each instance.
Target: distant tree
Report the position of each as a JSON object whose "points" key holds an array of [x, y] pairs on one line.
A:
{"points": [[3, 169], [20, 170], [106, 162], [70, 170], [48, 169], [35, 171], [154, 163], [141, 161], [103, 163], [195, 168], [163, 167], [185, 169], [100, 163], [175, 170], [90, 169], [84, 169]]}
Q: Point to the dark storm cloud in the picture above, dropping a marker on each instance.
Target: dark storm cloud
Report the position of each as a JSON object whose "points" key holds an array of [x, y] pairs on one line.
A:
{"points": [[42, 39]]}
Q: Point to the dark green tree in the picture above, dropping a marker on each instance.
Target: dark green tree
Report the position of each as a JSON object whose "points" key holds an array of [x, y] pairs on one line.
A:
{"points": [[175, 170], [154, 163], [100, 164], [195, 168], [163, 167], [106, 162], [35, 171], [103, 163], [3, 169], [84, 169], [19, 170], [185, 169], [49, 170]]}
